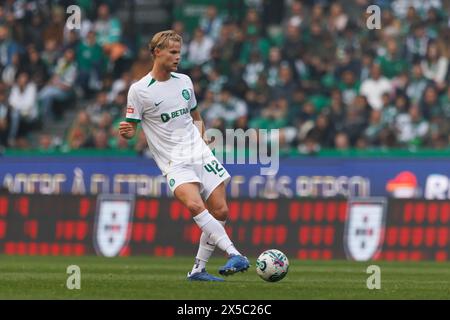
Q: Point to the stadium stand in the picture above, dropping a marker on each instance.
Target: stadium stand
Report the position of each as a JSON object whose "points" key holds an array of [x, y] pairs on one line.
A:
{"points": [[309, 68]]}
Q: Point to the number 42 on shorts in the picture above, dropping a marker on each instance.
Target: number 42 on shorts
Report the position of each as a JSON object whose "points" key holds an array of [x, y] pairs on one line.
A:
{"points": [[214, 167]]}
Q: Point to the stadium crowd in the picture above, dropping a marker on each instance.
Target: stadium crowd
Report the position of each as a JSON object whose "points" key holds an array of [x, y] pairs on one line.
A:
{"points": [[312, 69]]}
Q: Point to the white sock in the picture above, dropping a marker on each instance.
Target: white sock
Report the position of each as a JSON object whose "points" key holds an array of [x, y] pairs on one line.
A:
{"points": [[216, 232], [205, 250]]}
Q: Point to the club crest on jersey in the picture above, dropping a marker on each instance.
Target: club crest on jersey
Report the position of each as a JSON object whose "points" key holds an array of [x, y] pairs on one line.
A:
{"points": [[130, 109], [185, 94]]}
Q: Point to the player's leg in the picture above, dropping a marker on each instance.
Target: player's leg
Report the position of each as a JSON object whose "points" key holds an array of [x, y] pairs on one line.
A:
{"points": [[217, 206], [217, 201], [214, 183], [189, 195]]}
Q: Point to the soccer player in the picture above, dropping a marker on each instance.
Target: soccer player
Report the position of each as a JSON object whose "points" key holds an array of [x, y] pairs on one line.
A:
{"points": [[164, 103]]}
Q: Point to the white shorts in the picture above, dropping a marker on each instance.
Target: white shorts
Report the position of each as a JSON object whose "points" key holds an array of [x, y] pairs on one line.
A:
{"points": [[209, 174]]}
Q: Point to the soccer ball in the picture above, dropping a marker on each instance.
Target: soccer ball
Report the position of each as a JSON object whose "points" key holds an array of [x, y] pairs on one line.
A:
{"points": [[272, 265]]}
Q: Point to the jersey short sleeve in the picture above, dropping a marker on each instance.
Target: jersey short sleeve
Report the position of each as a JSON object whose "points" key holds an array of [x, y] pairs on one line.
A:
{"points": [[134, 108], [192, 101]]}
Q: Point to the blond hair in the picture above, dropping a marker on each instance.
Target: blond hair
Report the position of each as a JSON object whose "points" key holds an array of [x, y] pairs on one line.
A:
{"points": [[161, 40]]}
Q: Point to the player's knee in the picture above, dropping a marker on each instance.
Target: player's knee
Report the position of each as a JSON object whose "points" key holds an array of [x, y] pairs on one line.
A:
{"points": [[221, 213], [195, 207]]}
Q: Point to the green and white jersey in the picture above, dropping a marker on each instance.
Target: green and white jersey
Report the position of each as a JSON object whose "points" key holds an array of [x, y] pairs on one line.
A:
{"points": [[163, 109]]}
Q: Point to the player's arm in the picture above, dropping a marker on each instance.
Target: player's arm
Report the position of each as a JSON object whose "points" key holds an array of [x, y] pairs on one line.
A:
{"points": [[133, 115], [127, 129], [198, 121]]}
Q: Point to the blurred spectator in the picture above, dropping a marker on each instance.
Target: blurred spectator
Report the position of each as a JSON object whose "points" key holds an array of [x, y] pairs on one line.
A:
{"points": [[321, 53], [109, 31], [8, 48], [417, 42], [337, 20], [374, 87], [10, 71], [24, 108], [91, 63], [430, 105], [372, 132], [116, 106], [411, 19], [98, 107], [141, 146], [435, 65], [401, 7], [253, 69], [229, 109], [100, 140], [72, 41], [199, 48], [34, 31], [216, 81], [362, 143], [323, 132], [142, 65], [417, 84], [341, 141], [445, 103], [80, 131], [388, 139], [217, 62], [229, 43], [317, 13], [337, 111], [412, 128], [50, 54], [296, 16], [284, 86], [252, 23], [4, 120], [55, 28], [46, 143], [392, 27], [349, 87], [392, 62], [60, 86], [35, 67], [354, 124], [211, 23], [389, 111], [119, 85], [254, 42], [105, 122], [274, 116], [273, 65], [204, 105], [310, 146], [366, 65], [293, 46]]}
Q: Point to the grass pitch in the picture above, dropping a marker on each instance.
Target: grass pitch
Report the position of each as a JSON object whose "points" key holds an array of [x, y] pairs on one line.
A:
{"points": [[165, 278]]}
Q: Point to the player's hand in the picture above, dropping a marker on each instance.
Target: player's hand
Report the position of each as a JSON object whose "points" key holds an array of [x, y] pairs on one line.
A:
{"points": [[126, 129]]}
